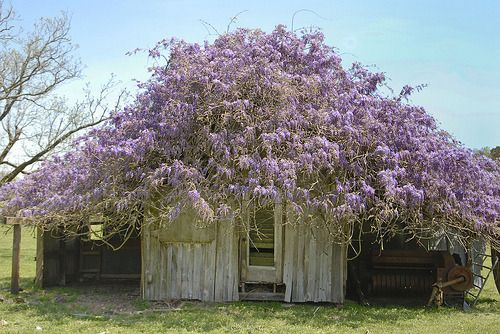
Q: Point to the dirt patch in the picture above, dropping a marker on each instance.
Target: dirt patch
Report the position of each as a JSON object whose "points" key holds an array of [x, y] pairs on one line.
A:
{"points": [[109, 298], [113, 299]]}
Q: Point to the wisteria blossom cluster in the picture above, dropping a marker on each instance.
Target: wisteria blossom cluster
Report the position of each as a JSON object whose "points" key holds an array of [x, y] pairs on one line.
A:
{"points": [[259, 117]]}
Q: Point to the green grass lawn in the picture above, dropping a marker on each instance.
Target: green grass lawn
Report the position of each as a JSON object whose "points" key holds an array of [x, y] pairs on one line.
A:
{"points": [[108, 310]]}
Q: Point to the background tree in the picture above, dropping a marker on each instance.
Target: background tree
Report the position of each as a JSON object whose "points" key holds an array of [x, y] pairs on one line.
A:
{"points": [[35, 120], [486, 151], [495, 153]]}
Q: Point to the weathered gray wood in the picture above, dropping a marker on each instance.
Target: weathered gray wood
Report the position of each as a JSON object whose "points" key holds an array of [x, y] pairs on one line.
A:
{"points": [[233, 272], [263, 296], [300, 289], [210, 272], [184, 269], [145, 256], [278, 241], [164, 272], [178, 269], [16, 255], [39, 258], [243, 256], [294, 251], [288, 262], [338, 277], [311, 267], [226, 262], [324, 270], [168, 286], [314, 267], [184, 229]]}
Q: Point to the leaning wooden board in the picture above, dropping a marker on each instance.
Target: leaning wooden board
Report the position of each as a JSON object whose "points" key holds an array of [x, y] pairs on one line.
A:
{"points": [[496, 270]]}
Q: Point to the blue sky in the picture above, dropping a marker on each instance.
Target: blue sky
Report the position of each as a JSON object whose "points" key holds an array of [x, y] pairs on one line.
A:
{"points": [[453, 46]]}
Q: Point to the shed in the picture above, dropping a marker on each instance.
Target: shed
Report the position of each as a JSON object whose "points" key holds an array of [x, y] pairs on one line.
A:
{"points": [[269, 259], [269, 256]]}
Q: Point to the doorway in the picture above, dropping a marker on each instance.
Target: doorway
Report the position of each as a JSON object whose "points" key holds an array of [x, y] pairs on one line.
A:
{"points": [[261, 245]]}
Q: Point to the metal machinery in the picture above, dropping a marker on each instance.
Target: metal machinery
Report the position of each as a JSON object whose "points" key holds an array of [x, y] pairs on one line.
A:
{"points": [[417, 273]]}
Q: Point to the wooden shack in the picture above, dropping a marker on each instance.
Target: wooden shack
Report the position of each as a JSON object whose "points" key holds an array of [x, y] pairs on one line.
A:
{"points": [[264, 255], [270, 259]]}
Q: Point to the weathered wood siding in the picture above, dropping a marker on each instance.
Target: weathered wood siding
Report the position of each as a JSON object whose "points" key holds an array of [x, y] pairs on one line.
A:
{"points": [[56, 260], [314, 267], [188, 262], [183, 261]]}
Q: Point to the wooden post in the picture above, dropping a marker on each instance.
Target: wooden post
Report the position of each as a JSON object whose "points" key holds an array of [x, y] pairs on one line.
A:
{"points": [[16, 252]]}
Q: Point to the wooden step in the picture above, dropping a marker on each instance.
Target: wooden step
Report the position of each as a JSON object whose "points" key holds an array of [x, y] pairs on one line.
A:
{"points": [[262, 296]]}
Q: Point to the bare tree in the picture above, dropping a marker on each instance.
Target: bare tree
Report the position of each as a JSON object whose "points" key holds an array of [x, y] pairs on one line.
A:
{"points": [[34, 119]]}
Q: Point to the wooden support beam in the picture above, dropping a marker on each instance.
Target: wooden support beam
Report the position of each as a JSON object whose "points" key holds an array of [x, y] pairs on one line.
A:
{"points": [[16, 253]]}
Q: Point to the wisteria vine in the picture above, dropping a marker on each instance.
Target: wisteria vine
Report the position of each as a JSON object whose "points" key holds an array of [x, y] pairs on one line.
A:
{"points": [[263, 117]]}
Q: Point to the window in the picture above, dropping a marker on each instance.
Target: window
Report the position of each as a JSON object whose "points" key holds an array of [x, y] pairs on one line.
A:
{"points": [[261, 241]]}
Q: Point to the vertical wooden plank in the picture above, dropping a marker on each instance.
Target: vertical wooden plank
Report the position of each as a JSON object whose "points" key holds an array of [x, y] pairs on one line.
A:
{"points": [[236, 271], [144, 262], [317, 265], [167, 267], [243, 255], [181, 270], [311, 255], [228, 282], [16, 253], [244, 237], [328, 271], [197, 267], [151, 270], [155, 260], [233, 273], [203, 270], [211, 269], [190, 268], [222, 253], [296, 237], [311, 279], [337, 274], [343, 259], [307, 263], [174, 271], [39, 259], [278, 241], [218, 265], [299, 268], [288, 262], [183, 260], [162, 277], [323, 268], [223, 247]]}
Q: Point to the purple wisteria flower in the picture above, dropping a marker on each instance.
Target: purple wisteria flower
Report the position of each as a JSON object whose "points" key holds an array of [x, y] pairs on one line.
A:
{"points": [[265, 117]]}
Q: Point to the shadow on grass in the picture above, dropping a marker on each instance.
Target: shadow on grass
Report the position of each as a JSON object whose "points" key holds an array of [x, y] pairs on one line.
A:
{"points": [[60, 305]]}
